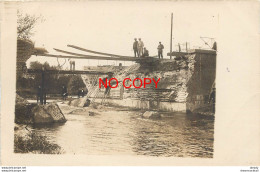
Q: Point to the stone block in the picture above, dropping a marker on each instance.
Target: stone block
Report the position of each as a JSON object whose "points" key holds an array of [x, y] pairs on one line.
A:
{"points": [[40, 115], [55, 112], [151, 115], [47, 114], [80, 102]]}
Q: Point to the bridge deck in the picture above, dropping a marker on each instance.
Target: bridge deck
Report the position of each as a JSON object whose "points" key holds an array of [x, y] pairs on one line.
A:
{"points": [[69, 72], [93, 57]]}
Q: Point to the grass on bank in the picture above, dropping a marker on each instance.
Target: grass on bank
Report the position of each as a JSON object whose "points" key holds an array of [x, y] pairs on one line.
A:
{"points": [[35, 143]]}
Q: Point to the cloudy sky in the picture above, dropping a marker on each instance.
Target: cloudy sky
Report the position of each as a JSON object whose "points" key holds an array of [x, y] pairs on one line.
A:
{"points": [[111, 26]]}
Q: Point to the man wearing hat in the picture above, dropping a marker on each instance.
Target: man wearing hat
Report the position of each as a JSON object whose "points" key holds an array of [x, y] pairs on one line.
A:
{"points": [[140, 48], [135, 47], [160, 50]]}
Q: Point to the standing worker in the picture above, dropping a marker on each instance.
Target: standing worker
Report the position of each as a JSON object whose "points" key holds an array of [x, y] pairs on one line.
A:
{"points": [[64, 92], [135, 47], [140, 47], [79, 93], [72, 65], [82, 92], [160, 50], [39, 93], [212, 99]]}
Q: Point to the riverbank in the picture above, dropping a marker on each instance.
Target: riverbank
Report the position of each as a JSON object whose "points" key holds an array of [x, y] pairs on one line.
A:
{"points": [[112, 130], [28, 141]]}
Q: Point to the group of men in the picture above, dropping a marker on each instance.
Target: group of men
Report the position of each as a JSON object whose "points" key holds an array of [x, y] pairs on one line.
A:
{"points": [[141, 51], [64, 93], [81, 92]]}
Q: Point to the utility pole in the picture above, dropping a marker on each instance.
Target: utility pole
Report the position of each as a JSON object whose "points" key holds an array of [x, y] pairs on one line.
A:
{"points": [[171, 37], [43, 94]]}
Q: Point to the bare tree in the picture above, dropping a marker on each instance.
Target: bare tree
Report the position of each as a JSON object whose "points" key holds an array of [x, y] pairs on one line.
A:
{"points": [[25, 24]]}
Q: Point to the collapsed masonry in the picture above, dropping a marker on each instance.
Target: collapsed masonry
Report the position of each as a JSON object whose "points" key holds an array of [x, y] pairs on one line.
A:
{"points": [[185, 84]]}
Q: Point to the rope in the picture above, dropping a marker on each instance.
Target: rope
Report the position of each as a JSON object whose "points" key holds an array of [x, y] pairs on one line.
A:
{"points": [[60, 66]]}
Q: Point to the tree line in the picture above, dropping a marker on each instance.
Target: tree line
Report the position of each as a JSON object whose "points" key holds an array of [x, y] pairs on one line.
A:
{"points": [[27, 85]]}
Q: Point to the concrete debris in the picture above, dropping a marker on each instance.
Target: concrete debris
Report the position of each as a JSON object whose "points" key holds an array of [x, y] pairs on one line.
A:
{"points": [[97, 106], [49, 113], [80, 102], [151, 115], [40, 115], [90, 113]]}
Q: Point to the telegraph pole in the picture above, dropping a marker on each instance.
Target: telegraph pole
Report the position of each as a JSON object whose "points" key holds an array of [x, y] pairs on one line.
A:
{"points": [[171, 37], [42, 97]]}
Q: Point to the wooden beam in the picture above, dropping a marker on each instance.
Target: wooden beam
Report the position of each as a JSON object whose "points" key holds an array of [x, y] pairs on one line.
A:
{"points": [[84, 55], [69, 72], [107, 54], [67, 52], [92, 57], [96, 52]]}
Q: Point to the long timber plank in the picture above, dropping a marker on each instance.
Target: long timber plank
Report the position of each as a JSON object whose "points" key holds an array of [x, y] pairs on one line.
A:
{"points": [[96, 52], [92, 57], [71, 53], [101, 53], [68, 72]]}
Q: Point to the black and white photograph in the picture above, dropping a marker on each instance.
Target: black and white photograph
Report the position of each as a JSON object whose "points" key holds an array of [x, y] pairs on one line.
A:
{"points": [[115, 83], [127, 79]]}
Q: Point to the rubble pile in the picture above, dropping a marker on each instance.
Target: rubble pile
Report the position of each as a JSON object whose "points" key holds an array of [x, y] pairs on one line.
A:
{"points": [[174, 76]]}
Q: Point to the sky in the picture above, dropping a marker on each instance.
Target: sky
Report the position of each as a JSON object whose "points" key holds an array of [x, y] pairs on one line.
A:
{"points": [[111, 27]]}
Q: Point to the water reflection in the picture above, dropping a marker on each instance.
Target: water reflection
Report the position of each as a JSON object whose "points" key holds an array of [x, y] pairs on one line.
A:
{"points": [[116, 131], [179, 135]]}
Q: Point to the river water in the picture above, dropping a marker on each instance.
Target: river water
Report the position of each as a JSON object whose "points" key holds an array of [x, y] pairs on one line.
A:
{"points": [[118, 131]]}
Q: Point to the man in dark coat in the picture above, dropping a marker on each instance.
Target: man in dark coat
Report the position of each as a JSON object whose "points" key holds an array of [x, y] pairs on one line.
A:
{"points": [[160, 50], [39, 93], [79, 93], [212, 98], [64, 92], [146, 53], [82, 92], [135, 47]]}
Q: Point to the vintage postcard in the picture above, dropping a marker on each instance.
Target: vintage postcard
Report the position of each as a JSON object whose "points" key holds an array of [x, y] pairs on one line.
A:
{"points": [[130, 83]]}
